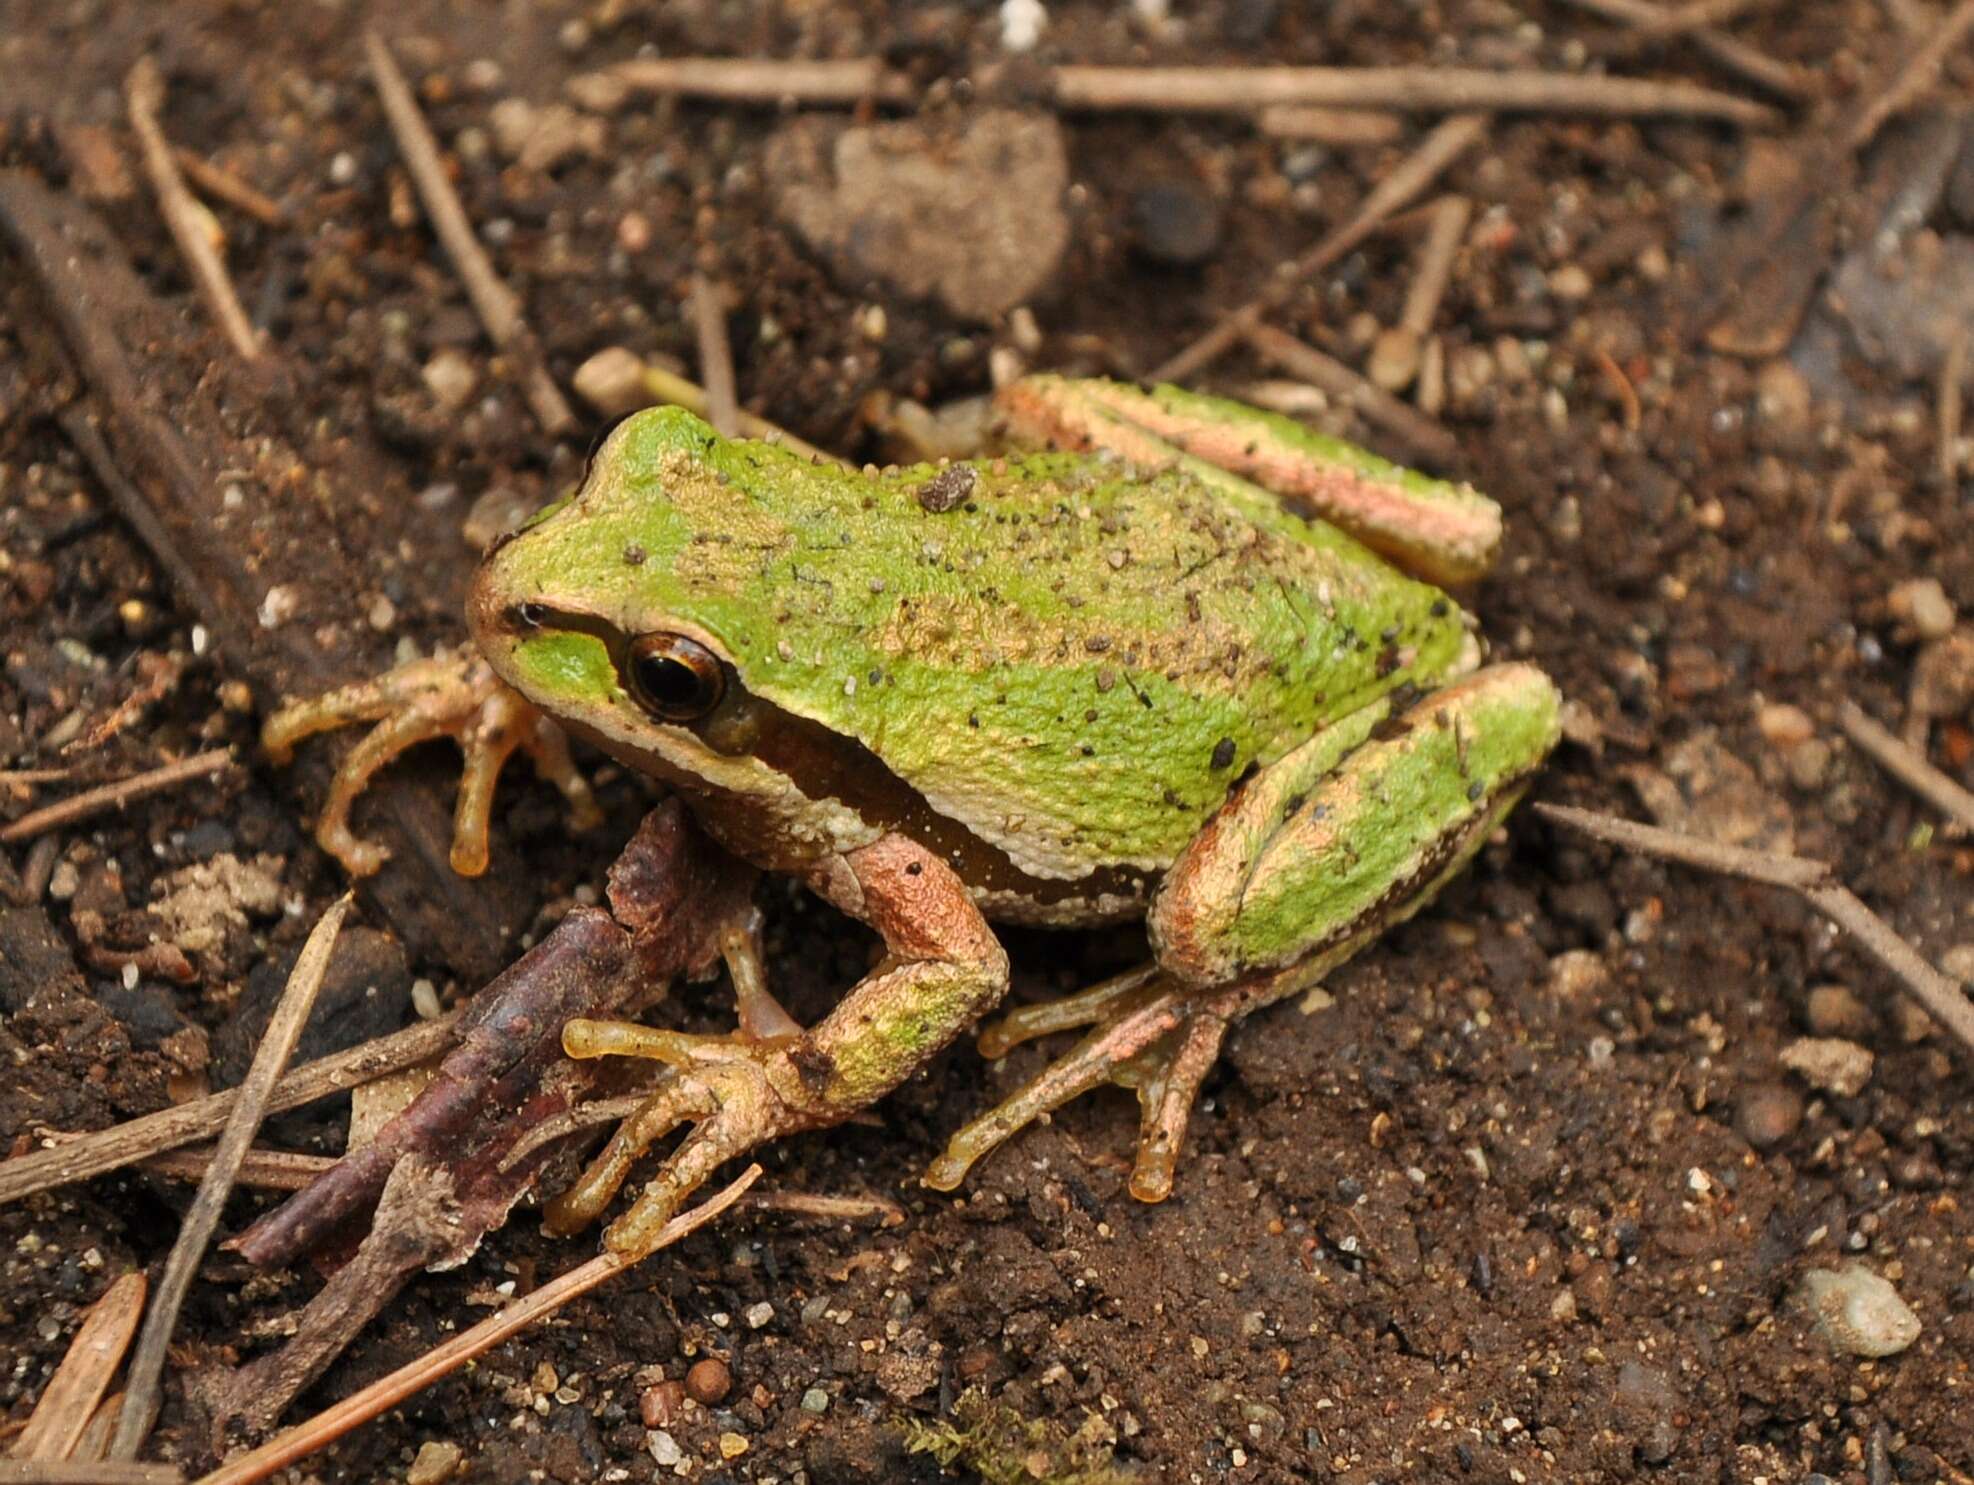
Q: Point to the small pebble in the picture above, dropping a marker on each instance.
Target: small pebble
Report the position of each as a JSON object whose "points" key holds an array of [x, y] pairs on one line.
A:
{"points": [[661, 1403], [1175, 223], [664, 1448], [1768, 1113], [1783, 726], [1394, 359], [708, 1380], [1782, 398], [1836, 1010], [451, 378], [1959, 962], [435, 1462], [1809, 764], [815, 1400], [1858, 1312], [1571, 282], [732, 1446], [759, 1315], [1830, 1063], [1923, 603], [612, 381]]}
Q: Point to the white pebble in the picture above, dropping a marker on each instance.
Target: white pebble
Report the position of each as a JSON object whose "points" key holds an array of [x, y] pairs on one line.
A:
{"points": [[1858, 1312]]}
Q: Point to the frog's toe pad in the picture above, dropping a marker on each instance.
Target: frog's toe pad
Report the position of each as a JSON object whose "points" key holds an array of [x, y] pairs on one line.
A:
{"points": [[1149, 1036], [456, 696]]}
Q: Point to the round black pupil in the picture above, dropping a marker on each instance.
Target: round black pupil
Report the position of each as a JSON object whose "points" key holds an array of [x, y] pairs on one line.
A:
{"points": [[669, 682]]}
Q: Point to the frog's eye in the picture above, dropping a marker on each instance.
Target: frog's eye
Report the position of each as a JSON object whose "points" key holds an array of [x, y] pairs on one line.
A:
{"points": [[674, 678]]}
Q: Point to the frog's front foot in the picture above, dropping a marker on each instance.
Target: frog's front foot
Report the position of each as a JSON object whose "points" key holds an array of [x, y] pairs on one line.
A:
{"points": [[740, 1091], [454, 695]]}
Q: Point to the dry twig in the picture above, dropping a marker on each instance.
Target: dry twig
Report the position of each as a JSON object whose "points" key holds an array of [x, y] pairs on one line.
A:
{"points": [[387, 1392], [1439, 149], [78, 1157], [765, 80], [107, 796], [284, 1029], [1940, 997], [224, 185], [192, 226], [1341, 127], [1909, 766], [709, 322], [1404, 89], [1912, 76], [1650, 22], [1424, 439], [85, 1472], [1446, 226], [80, 1382], [616, 381], [267, 1170], [498, 307]]}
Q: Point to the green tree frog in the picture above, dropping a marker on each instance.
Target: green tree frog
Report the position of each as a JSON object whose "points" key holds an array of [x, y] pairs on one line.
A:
{"points": [[1192, 665]]}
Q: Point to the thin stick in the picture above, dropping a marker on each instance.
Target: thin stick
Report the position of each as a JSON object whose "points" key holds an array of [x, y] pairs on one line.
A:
{"points": [[107, 796], [81, 1381], [79, 1157], [1948, 407], [709, 321], [1439, 149], [1405, 89], [1940, 997], [387, 1392], [192, 226], [1210, 89], [84, 1472], [224, 185], [1333, 126], [764, 80], [1914, 74], [618, 381], [1757, 66], [828, 1208], [1679, 20], [277, 1044], [1909, 766], [1424, 439], [267, 1170], [498, 307], [1434, 270]]}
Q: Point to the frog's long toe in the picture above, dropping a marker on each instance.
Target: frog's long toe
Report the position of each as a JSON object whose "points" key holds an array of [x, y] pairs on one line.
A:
{"points": [[1150, 1036], [455, 696], [724, 1086]]}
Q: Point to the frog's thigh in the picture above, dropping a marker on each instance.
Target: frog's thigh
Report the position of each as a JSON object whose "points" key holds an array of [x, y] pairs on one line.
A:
{"points": [[1352, 832]]}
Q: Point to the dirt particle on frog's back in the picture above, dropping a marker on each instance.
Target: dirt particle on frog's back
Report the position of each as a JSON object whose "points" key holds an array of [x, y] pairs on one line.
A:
{"points": [[948, 489]]}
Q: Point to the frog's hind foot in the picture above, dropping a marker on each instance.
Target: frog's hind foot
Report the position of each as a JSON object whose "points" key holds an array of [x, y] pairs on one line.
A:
{"points": [[1149, 1034], [455, 695]]}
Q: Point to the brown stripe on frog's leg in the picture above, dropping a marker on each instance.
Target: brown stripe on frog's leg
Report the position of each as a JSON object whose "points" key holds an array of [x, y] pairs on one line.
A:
{"points": [[942, 971], [1440, 531]]}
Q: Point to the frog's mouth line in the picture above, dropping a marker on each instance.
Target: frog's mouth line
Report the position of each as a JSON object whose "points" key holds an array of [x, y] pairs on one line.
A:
{"points": [[824, 764]]}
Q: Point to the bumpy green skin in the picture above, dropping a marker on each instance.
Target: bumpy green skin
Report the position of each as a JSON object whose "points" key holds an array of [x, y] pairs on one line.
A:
{"points": [[1075, 661]]}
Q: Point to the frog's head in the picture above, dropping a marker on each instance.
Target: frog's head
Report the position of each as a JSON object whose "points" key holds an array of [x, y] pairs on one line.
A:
{"points": [[640, 614]]}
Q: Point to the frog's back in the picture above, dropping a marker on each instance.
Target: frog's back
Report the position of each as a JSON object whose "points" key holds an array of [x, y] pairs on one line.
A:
{"points": [[1072, 659]]}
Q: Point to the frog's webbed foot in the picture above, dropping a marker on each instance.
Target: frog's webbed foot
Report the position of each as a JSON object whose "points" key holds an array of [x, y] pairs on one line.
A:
{"points": [[1149, 1034], [455, 695]]}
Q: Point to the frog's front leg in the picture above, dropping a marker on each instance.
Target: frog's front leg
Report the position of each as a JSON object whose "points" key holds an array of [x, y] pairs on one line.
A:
{"points": [[455, 695], [1311, 859], [943, 970]]}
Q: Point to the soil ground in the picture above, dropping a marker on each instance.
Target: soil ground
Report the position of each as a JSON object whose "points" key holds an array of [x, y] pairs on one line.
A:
{"points": [[1525, 1198]]}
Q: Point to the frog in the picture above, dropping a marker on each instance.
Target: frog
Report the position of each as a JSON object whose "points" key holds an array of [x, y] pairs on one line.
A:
{"points": [[1157, 656]]}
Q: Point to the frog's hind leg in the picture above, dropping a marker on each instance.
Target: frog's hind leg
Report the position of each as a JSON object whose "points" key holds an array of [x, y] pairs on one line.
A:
{"points": [[456, 696], [1314, 857]]}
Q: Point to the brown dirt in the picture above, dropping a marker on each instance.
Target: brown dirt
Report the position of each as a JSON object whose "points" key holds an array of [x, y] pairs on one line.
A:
{"points": [[1491, 1215]]}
